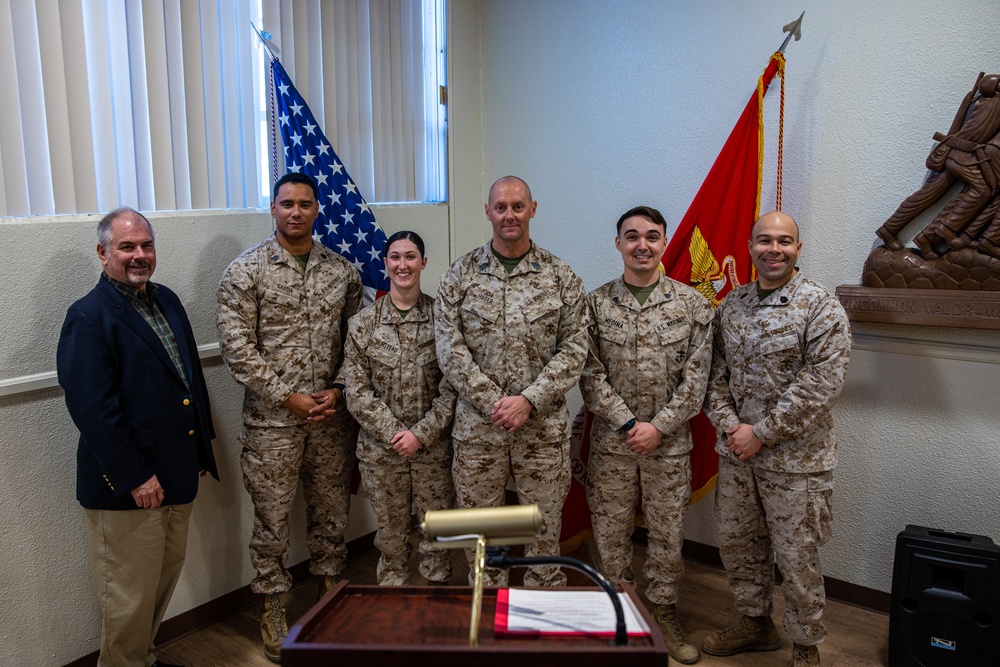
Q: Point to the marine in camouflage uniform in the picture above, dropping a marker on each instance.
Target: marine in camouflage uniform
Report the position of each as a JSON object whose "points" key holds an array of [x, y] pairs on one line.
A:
{"points": [[281, 331], [393, 383], [503, 337], [779, 365], [645, 377]]}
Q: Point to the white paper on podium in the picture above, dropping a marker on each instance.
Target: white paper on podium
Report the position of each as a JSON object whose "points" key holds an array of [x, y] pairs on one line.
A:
{"points": [[564, 612]]}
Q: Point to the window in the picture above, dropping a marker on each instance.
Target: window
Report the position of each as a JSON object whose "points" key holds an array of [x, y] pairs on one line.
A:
{"points": [[373, 74], [157, 104], [141, 103]]}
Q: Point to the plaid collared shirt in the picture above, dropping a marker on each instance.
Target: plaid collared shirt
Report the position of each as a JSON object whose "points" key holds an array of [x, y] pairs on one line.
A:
{"points": [[144, 301]]}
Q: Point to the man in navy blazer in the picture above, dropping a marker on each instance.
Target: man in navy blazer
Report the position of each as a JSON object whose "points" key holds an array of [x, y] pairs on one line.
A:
{"points": [[128, 364]]}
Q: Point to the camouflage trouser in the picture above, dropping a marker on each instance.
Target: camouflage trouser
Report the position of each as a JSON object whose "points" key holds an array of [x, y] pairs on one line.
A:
{"points": [[541, 474], [391, 484], [765, 515], [273, 459], [613, 487]]}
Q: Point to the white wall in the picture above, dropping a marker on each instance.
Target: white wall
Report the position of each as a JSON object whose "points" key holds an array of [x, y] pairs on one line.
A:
{"points": [[602, 105], [465, 128]]}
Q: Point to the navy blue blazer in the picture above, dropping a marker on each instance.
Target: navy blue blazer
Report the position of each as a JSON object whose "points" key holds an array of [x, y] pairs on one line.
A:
{"points": [[136, 418]]}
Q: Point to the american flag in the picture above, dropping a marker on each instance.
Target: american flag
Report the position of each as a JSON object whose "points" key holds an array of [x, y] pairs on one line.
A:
{"points": [[345, 223]]}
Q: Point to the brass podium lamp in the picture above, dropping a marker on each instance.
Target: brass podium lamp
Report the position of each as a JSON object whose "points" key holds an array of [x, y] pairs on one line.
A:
{"points": [[480, 528], [494, 529]]}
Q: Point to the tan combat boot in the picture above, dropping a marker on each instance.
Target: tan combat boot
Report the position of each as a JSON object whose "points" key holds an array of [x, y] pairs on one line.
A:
{"points": [[750, 633], [326, 584], [273, 626], [805, 656], [678, 646]]}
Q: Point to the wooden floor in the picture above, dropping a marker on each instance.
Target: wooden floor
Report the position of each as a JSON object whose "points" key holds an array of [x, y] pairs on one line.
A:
{"points": [[857, 637]]}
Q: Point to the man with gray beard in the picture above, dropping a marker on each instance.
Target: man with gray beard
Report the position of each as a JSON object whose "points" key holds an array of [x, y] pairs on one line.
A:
{"points": [[128, 363]]}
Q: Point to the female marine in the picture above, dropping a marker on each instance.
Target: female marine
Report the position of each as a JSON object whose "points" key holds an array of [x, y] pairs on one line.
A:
{"points": [[396, 393]]}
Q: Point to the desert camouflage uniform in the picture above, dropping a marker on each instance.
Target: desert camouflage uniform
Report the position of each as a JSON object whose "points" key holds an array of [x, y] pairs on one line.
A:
{"points": [[778, 365], [393, 384], [501, 334], [649, 362], [281, 331]]}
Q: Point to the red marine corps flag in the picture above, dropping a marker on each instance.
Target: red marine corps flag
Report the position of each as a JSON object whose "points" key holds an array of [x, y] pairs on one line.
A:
{"points": [[709, 249], [709, 252]]}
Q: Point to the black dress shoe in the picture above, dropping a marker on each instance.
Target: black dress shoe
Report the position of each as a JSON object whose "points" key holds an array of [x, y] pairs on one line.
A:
{"points": [[159, 663]]}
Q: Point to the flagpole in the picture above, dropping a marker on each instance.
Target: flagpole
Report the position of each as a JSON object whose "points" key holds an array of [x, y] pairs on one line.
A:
{"points": [[794, 29], [272, 103], [263, 40]]}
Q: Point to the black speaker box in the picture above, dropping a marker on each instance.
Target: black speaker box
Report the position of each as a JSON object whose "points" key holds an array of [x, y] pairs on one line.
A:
{"points": [[945, 600]]}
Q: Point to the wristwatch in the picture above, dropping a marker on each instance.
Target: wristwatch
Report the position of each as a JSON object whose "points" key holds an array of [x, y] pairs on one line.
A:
{"points": [[627, 426]]}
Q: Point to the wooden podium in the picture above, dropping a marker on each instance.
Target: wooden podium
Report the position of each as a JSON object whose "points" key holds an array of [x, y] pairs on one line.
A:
{"points": [[429, 625]]}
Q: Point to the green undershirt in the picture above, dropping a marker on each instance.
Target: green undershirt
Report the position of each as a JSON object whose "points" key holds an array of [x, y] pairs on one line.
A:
{"points": [[764, 293], [509, 263], [302, 260], [641, 293]]}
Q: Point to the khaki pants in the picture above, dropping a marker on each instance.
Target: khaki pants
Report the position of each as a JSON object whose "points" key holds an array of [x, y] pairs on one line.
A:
{"points": [[136, 558]]}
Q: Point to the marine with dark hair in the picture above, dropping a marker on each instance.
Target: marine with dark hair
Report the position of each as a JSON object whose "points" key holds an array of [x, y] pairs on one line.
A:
{"points": [[283, 307], [645, 377], [396, 392]]}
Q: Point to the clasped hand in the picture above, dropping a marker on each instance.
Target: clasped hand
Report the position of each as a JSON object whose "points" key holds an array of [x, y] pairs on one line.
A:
{"points": [[315, 407], [742, 442], [510, 413]]}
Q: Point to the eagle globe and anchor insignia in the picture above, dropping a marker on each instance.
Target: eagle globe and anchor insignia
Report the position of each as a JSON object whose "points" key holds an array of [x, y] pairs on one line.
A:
{"points": [[707, 276]]}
